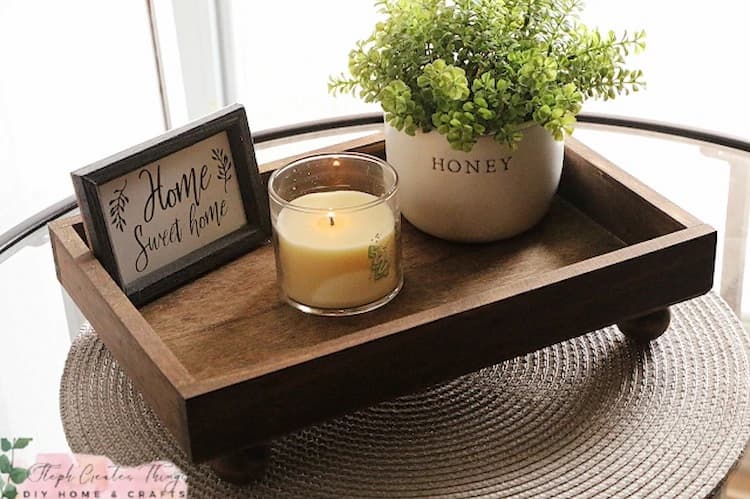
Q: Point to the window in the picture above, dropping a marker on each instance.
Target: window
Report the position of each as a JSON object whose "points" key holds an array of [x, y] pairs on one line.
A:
{"points": [[79, 83]]}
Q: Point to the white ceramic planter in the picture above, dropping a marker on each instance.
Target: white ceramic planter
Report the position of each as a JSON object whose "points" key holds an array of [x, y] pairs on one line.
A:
{"points": [[487, 194]]}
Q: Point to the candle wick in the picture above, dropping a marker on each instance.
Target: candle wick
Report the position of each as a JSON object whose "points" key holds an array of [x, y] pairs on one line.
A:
{"points": [[331, 218]]}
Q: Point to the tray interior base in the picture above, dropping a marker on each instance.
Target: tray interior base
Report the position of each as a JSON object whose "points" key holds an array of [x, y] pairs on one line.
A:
{"points": [[233, 319]]}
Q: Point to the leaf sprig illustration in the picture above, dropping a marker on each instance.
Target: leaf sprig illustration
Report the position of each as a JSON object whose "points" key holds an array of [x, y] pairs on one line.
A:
{"points": [[380, 266], [223, 164], [117, 207], [10, 475]]}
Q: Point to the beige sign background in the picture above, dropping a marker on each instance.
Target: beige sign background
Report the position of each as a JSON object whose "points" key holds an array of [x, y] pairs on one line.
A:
{"points": [[169, 208]]}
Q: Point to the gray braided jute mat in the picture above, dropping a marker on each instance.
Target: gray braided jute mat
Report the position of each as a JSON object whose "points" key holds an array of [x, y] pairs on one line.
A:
{"points": [[596, 416]]}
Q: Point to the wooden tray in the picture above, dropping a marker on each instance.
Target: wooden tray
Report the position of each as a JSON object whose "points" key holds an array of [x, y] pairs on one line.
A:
{"points": [[227, 365]]}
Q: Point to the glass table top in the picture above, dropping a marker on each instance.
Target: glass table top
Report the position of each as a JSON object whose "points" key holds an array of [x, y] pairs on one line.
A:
{"points": [[39, 320]]}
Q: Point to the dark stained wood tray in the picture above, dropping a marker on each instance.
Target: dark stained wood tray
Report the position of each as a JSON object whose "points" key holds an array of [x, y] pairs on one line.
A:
{"points": [[226, 365]]}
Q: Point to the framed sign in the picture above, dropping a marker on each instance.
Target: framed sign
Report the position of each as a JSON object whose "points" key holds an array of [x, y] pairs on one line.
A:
{"points": [[161, 213]]}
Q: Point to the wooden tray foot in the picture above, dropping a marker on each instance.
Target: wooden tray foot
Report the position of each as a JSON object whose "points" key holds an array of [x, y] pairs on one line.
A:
{"points": [[647, 327], [242, 467]]}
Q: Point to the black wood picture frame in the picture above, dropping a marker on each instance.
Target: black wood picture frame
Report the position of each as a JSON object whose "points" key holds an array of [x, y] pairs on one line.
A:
{"points": [[256, 232]]}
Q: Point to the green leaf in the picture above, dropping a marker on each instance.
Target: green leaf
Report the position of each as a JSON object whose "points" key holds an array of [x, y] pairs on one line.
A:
{"points": [[2, 483], [549, 58], [4, 464], [5, 444], [10, 492], [18, 475], [21, 443]]}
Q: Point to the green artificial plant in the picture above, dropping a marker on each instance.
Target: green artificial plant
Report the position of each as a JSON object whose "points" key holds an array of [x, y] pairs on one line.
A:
{"points": [[468, 68]]}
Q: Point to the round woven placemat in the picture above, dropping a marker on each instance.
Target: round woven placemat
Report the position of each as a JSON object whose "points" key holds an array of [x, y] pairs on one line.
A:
{"points": [[598, 415]]}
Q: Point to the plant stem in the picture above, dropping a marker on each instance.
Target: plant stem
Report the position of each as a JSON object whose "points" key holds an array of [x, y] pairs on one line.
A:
{"points": [[599, 48], [527, 18], [560, 20]]}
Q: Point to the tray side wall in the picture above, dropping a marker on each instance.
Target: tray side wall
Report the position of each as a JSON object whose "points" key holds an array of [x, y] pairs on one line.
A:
{"points": [[616, 200], [582, 297], [613, 198], [122, 329]]}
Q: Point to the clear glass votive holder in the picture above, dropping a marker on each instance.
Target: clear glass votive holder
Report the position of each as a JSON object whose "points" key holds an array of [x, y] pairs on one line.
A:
{"points": [[336, 233]]}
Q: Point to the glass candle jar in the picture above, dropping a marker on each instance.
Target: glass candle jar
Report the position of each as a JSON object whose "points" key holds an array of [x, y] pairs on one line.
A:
{"points": [[336, 233]]}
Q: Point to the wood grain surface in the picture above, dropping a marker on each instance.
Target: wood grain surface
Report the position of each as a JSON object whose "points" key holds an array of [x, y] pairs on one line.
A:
{"points": [[216, 330]]}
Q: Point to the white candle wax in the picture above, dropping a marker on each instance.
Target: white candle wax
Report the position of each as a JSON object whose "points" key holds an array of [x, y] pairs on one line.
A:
{"points": [[337, 257]]}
